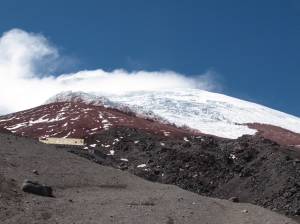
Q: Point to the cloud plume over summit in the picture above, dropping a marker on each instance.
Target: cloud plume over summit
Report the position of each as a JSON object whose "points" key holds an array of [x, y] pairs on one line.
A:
{"points": [[28, 62]]}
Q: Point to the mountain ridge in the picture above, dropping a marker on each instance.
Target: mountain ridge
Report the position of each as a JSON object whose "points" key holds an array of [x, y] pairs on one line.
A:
{"points": [[197, 108], [183, 109], [90, 99], [70, 119]]}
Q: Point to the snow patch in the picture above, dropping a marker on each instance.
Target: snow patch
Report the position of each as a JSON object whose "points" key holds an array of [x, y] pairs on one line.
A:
{"points": [[16, 126], [166, 133], [231, 156], [67, 134]]}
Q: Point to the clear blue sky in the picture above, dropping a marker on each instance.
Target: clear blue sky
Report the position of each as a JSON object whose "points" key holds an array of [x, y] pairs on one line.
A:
{"points": [[254, 45]]}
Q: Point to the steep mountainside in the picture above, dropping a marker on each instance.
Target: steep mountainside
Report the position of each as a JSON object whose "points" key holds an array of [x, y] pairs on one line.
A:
{"points": [[89, 99], [66, 119]]}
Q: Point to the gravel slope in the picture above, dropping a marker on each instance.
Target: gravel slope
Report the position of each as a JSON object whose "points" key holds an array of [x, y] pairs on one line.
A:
{"points": [[85, 192]]}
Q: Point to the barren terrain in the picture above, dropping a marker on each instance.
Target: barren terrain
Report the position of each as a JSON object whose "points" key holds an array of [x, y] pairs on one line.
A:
{"points": [[252, 168], [86, 192]]}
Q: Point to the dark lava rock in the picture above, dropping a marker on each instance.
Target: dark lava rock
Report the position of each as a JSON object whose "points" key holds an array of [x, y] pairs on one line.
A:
{"points": [[234, 199], [35, 188]]}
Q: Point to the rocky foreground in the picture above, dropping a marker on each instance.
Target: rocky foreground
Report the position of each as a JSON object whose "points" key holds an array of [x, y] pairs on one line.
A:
{"points": [[86, 192], [253, 169]]}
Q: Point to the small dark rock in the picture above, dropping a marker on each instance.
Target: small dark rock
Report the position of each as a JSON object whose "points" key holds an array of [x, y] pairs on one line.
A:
{"points": [[150, 161], [297, 211], [186, 145], [35, 188], [234, 199], [239, 150]]}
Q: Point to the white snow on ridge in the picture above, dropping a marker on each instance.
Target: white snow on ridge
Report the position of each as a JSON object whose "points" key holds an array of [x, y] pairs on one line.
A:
{"points": [[40, 120], [99, 100], [210, 113], [17, 126], [81, 96]]}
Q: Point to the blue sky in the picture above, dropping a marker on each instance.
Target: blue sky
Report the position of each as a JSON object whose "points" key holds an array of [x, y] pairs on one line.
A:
{"points": [[251, 48]]}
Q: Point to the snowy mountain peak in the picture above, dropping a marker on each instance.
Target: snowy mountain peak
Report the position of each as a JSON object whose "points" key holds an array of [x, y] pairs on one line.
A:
{"points": [[202, 112], [210, 113], [193, 109]]}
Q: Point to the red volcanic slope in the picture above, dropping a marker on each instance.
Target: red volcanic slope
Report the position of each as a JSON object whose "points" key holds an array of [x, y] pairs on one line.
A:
{"points": [[67, 119], [278, 134]]}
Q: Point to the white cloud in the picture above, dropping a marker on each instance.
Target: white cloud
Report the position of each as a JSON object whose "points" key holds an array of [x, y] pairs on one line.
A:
{"points": [[25, 59], [22, 52]]}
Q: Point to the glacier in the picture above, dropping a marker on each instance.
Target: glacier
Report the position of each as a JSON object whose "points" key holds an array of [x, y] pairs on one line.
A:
{"points": [[207, 112]]}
